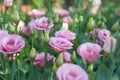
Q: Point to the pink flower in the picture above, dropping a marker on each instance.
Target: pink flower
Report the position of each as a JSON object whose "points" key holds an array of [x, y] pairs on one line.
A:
{"points": [[60, 44], [3, 33], [62, 12], [67, 20], [66, 56], [94, 32], [103, 34], [39, 59], [36, 13], [71, 72], [89, 51], [21, 25], [110, 44], [11, 44], [8, 3], [65, 34], [40, 24], [26, 31]]}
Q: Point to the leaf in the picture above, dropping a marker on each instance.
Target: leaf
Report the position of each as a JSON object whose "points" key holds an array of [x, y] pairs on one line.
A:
{"points": [[103, 73]]}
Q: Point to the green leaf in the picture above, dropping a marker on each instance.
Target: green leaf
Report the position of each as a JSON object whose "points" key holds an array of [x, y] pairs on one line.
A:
{"points": [[103, 73]]}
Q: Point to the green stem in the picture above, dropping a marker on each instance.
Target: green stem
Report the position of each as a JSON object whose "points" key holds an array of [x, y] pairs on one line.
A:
{"points": [[17, 68]]}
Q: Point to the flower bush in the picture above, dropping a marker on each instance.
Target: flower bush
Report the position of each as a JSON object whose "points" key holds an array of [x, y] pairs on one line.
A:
{"points": [[47, 41]]}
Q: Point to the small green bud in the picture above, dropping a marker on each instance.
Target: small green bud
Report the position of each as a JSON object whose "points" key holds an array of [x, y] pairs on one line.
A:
{"points": [[15, 16], [91, 23], [73, 57], [81, 18], [46, 38], [11, 27], [103, 25], [59, 60], [54, 68], [33, 53], [115, 26]]}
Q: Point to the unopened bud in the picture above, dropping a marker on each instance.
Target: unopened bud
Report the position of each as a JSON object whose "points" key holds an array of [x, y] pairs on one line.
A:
{"points": [[46, 38], [33, 53], [103, 25], [81, 18], [115, 26], [64, 26], [54, 68], [73, 57], [15, 17], [59, 60], [91, 24]]}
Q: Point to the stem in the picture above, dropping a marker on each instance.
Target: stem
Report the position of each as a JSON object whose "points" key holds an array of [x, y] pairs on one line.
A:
{"points": [[17, 68]]}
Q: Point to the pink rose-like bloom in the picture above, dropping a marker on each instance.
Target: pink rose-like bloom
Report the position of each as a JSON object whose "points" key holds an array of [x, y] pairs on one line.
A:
{"points": [[66, 56], [62, 12], [26, 31], [60, 44], [3, 33], [8, 3], [40, 24], [89, 51], [103, 34], [39, 59], [65, 34], [11, 44], [67, 20], [36, 13], [71, 72]]}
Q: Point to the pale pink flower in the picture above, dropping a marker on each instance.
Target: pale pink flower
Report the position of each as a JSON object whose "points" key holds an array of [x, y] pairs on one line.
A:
{"points": [[66, 56], [3, 33], [36, 13], [67, 19], [21, 25], [60, 44], [11, 44], [62, 12], [8, 3], [89, 51], [65, 34], [71, 72], [39, 59], [110, 44], [40, 24], [103, 34]]}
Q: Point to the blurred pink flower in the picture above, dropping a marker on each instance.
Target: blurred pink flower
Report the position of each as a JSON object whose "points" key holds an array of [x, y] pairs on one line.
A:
{"points": [[40, 24], [39, 59], [67, 19], [26, 31], [3, 33], [71, 72], [103, 34], [67, 57], [65, 34], [60, 44], [8, 3], [36, 13], [89, 51], [11, 44], [62, 12], [94, 32]]}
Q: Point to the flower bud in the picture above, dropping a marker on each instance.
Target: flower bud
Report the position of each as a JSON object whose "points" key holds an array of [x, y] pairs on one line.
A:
{"points": [[32, 53], [103, 25], [59, 60], [73, 57], [64, 26], [15, 16], [115, 26], [46, 38], [110, 45], [81, 18], [91, 23], [8, 3], [54, 68]]}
